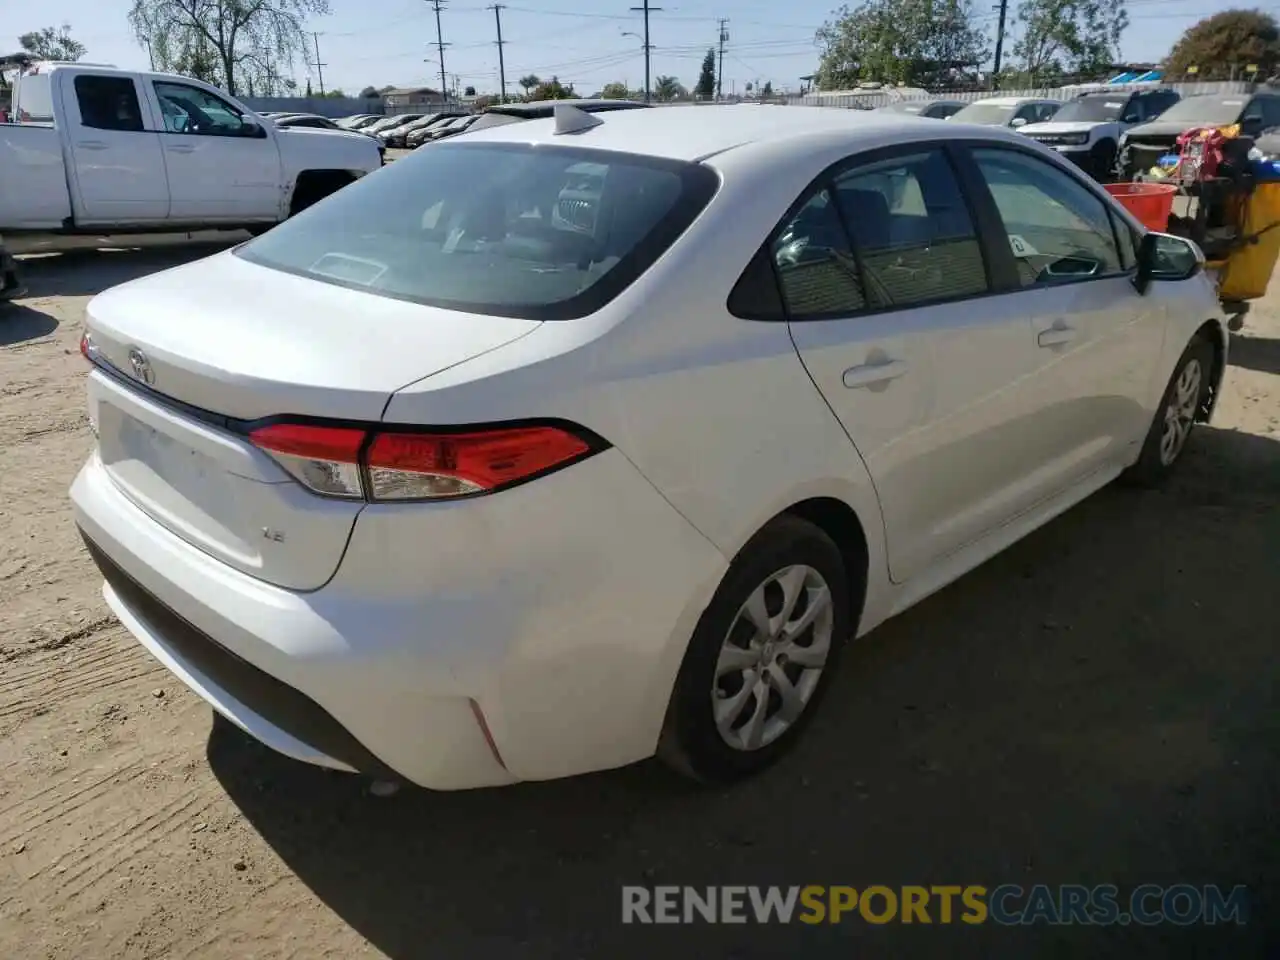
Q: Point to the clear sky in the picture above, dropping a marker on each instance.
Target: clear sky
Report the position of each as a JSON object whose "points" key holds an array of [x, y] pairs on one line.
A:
{"points": [[382, 42]]}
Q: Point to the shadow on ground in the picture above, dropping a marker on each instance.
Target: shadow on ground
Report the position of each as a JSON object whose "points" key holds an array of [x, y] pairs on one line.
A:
{"points": [[1096, 705], [20, 323], [89, 271], [1255, 353]]}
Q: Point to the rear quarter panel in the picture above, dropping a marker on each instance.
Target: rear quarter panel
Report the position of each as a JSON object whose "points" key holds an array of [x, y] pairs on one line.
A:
{"points": [[33, 178]]}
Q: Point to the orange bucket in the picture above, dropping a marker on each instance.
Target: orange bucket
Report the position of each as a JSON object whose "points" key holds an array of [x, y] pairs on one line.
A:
{"points": [[1151, 203]]}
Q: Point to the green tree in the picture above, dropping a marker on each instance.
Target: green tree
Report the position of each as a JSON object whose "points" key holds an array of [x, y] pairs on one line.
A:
{"points": [[369, 93], [767, 89], [615, 91], [667, 89], [52, 43], [916, 42], [469, 92], [706, 86], [529, 82], [1076, 36], [196, 58], [1223, 45], [551, 89], [249, 38]]}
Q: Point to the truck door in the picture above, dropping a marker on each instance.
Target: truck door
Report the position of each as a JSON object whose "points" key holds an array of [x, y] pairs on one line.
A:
{"points": [[222, 165], [117, 173]]}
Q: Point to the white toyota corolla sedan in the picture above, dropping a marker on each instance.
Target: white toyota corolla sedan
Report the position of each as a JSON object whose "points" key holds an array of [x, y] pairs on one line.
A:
{"points": [[579, 440]]}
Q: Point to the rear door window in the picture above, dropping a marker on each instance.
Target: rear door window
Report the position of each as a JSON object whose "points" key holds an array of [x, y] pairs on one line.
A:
{"points": [[108, 103], [495, 228]]}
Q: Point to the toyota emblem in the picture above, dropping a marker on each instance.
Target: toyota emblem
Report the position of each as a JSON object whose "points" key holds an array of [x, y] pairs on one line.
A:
{"points": [[141, 366]]}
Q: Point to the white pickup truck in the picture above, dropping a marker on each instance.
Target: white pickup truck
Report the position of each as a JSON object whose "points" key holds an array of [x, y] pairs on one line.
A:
{"points": [[102, 151]]}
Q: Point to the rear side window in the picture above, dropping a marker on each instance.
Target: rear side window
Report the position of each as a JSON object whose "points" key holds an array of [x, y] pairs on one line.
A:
{"points": [[108, 103], [912, 231], [816, 267], [542, 232], [35, 98]]}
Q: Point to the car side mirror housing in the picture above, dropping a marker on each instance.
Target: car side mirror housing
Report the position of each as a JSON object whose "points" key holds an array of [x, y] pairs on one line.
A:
{"points": [[1167, 258], [1018, 122], [250, 128]]}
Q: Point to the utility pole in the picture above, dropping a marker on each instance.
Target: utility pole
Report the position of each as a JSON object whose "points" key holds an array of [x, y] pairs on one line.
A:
{"points": [[497, 9], [995, 74], [646, 10], [724, 38], [440, 45], [151, 55], [315, 37]]}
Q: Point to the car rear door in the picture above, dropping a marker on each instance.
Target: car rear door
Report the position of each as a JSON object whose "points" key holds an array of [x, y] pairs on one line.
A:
{"points": [[889, 298], [118, 174], [1096, 339]]}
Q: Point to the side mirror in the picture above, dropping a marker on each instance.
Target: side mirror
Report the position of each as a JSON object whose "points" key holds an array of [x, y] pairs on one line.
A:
{"points": [[1018, 122], [1164, 257], [250, 128], [1129, 118]]}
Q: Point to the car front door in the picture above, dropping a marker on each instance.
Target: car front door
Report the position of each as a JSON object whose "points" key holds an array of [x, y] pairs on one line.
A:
{"points": [[887, 291], [222, 166], [1096, 339], [118, 174]]}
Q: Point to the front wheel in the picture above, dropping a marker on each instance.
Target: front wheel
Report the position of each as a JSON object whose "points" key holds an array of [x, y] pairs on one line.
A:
{"points": [[1187, 394], [761, 656]]}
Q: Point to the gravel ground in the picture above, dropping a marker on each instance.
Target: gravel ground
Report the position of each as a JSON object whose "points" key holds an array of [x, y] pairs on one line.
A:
{"points": [[1096, 705]]}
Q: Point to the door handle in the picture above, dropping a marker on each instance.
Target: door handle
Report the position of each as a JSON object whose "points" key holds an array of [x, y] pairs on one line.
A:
{"points": [[91, 144], [870, 374], [1055, 336]]}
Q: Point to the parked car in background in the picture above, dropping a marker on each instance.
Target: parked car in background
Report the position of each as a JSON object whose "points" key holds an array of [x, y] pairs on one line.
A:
{"points": [[137, 151], [504, 113], [356, 121], [1088, 129], [424, 129], [604, 434], [452, 127], [386, 132], [313, 121], [386, 123], [401, 137], [1142, 146], [1007, 111], [934, 109]]}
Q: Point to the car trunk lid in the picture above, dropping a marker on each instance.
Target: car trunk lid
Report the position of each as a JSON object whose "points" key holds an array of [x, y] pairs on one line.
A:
{"points": [[191, 357]]}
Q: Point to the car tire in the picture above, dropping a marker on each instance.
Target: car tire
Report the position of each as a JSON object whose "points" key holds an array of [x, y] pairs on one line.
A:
{"points": [[735, 670], [1184, 400], [1102, 160]]}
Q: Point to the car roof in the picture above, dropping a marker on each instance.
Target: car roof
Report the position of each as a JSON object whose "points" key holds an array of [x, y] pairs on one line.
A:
{"points": [[544, 108], [1013, 101], [696, 132]]}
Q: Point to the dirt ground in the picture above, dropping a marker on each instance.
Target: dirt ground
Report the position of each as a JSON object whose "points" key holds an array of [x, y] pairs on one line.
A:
{"points": [[1099, 704]]}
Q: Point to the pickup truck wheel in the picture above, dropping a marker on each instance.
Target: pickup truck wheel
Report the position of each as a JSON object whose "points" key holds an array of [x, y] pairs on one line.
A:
{"points": [[314, 186], [1102, 160]]}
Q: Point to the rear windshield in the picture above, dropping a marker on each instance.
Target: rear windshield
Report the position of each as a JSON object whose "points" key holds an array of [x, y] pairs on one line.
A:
{"points": [[542, 232], [988, 113], [1089, 109], [1207, 109], [35, 99]]}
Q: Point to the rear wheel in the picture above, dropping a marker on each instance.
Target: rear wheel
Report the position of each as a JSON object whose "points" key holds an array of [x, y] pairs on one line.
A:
{"points": [[314, 186], [761, 656], [1102, 160], [1184, 398]]}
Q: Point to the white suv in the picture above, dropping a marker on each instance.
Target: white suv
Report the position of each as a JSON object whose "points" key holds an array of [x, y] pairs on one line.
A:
{"points": [[1088, 130]]}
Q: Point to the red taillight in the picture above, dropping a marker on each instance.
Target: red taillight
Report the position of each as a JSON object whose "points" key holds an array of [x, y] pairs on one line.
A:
{"points": [[86, 346], [359, 464]]}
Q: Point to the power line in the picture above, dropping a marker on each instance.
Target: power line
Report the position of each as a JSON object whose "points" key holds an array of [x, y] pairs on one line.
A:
{"points": [[502, 67], [724, 36], [315, 38], [646, 9], [440, 45]]}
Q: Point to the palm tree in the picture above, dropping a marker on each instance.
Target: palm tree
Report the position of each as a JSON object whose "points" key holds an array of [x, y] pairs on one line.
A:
{"points": [[667, 89], [529, 82]]}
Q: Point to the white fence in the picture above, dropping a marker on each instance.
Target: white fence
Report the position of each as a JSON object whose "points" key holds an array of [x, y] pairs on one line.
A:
{"points": [[870, 99]]}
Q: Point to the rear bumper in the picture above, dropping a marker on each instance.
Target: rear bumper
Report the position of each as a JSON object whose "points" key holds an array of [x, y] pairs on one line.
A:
{"points": [[566, 644]]}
